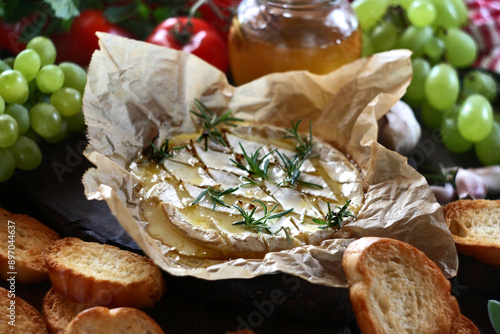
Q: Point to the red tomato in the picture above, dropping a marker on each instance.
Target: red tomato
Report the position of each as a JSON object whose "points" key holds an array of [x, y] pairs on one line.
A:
{"points": [[10, 33], [198, 38], [80, 42], [227, 9]]}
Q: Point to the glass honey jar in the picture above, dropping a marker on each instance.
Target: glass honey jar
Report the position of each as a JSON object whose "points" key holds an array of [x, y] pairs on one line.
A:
{"points": [[269, 36]]}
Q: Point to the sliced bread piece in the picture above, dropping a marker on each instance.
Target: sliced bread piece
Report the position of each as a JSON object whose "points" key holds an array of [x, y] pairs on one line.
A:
{"points": [[396, 288], [105, 275], [22, 241], [59, 310], [475, 226], [102, 320], [466, 326], [19, 317]]}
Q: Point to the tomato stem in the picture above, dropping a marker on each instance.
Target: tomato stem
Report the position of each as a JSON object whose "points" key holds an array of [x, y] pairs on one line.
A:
{"points": [[183, 32]]}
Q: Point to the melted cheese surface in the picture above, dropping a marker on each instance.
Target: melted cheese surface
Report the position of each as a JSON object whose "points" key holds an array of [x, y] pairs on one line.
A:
{"points": [[208, 230]]}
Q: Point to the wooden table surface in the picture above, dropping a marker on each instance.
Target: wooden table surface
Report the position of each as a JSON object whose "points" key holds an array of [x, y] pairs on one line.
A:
{"points": [[54, 194]]}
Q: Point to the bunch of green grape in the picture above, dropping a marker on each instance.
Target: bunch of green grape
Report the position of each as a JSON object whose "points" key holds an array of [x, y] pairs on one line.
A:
{"points": [[40, 102], [459, 105]]}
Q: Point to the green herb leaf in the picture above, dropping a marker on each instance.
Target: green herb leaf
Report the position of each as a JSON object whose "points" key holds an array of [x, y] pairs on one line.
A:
{"points": [[64, 9], [210, 123], [257, 225], [335, 219], [304, 145], [494, 313], [257, 168], [161, 154], [215, 196], [292, 170], [286, 230]]}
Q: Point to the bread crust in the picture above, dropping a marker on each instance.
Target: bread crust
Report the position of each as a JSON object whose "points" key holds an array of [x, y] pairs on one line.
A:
{"points": [[27, 318], [466, 326], [59, 310], [387, 276], [100, 274], [461, 216], [29, 238], [112, 321]]}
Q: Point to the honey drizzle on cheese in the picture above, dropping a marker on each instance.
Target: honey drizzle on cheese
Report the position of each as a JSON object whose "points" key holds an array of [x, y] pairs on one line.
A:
{"points": [[310, 202]]}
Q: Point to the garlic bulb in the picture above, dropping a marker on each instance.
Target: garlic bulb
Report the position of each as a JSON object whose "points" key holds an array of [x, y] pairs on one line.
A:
{"points": [[399, 130]]}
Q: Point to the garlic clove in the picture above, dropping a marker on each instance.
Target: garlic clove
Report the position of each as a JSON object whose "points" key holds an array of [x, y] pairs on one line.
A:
{"points": [[399, 130], [469, 184], [491, 178], [444, 194]]}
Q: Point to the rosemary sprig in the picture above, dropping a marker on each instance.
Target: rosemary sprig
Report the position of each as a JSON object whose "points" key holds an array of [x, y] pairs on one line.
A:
{"points": [[210, 122], [215, 196], [292, 170], [257, 168], [304, 145], [161, 154], [256, 225], [334, 219], [286, 230]]}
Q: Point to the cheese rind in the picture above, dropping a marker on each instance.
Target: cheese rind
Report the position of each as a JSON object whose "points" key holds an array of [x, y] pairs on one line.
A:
{"points": [[335, 180]]}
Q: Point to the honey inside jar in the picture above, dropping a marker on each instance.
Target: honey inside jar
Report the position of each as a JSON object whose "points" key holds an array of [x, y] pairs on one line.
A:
{"points": [[318, 36]]}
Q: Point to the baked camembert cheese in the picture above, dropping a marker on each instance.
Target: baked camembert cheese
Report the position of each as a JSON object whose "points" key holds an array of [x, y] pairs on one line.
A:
{"points": [[246, 190]]}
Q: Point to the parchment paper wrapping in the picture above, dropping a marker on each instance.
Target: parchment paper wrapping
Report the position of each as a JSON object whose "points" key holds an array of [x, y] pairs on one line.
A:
{"points": [[136, 90]]}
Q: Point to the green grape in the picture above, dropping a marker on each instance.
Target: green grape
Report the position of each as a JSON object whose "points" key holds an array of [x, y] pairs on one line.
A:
{"points": [[434, 48], [32, 135], [446, 14], [442, 86], [75, 76], [461, 50], [26, 153], [415, 91], [488, 149], [68, 101], [462, 11], [4, 66], [8, 130], [450, 135], [384, 37], [431, 117], [8, 165], [28, 63], [49, 79], [10, 62], [421, 13], [2, 105], [404, 3], [45, 48], [63, 133], [76, 122], [477, 82], [369, 12], [13, 87], [414, 39], [367, 47], [21, 115], [475, 118], [45, 119]]}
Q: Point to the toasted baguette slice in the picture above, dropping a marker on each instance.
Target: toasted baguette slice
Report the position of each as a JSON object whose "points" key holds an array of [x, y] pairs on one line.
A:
{"points": [[28, 239], [475, 226], [396, 288], [104, 275], [466, 326], [102, 320], [59, 310], [17, 316]]}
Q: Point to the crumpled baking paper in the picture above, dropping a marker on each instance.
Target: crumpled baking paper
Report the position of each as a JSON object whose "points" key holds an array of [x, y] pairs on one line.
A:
{"points": [[137, 90]]}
